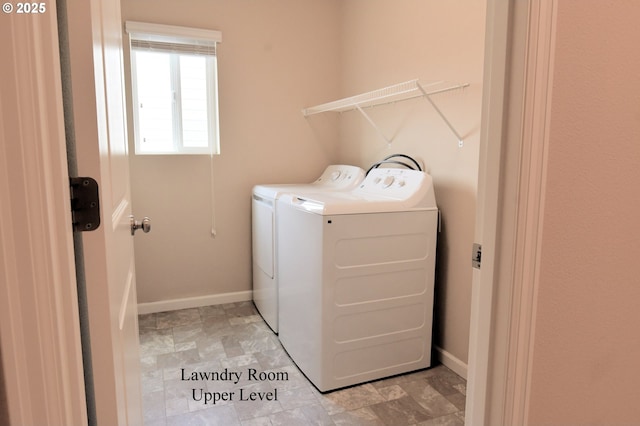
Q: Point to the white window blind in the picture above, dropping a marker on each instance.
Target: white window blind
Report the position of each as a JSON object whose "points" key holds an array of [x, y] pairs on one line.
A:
{"points": [[174, 79]]}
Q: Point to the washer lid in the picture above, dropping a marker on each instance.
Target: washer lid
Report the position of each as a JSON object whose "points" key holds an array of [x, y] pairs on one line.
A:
{"points": [[336, 177], [383, 190]]}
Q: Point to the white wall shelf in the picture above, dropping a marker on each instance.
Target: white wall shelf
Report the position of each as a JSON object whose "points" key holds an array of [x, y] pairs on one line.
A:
{"points": [[396, 93]]}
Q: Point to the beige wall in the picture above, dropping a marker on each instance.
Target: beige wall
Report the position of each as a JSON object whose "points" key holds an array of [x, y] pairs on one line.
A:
{"points": [[387, 42], [587, 333], [276, 57]]}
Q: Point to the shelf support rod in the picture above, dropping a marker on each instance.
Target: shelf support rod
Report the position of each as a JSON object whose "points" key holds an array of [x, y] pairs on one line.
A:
{"points": [[366, 116], [426, 95]]}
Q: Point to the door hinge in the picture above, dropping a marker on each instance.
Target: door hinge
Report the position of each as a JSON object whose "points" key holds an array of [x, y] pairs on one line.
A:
{"points": [[476, 256], [85, 204]]}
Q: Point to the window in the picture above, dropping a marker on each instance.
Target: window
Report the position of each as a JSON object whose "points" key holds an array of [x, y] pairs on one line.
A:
{"points": [[174, 89]]}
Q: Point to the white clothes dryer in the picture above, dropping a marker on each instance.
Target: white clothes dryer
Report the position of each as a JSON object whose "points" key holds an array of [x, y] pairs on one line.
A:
{"points": [[264, 244], [357, 278]]}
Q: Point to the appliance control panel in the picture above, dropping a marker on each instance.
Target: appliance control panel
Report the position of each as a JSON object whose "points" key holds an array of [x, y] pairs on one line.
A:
{"points": [[393, 183], [339, 176]]}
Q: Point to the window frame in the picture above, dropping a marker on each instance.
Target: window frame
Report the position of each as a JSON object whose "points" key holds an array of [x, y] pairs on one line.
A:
{"points": [[183, 38]]}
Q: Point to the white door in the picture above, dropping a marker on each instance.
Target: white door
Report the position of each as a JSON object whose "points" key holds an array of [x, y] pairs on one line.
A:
{"points": [[99, 122]]}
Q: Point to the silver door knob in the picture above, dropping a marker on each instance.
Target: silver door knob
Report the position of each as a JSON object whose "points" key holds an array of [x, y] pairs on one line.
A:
{"points": [[145, 225]]}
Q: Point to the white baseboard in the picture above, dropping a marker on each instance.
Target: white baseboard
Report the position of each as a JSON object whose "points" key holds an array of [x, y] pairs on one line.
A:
{"points": [[194, 302], [451, 362]]}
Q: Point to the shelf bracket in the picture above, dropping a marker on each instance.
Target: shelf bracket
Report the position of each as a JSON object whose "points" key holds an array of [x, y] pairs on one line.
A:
{"points": [[433, 104], [373, 124]]}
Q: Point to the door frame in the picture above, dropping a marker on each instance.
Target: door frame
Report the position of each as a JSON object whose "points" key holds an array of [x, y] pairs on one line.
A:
{"points": [[47, 385], [96, 114], [519, 50], [39, 320]]}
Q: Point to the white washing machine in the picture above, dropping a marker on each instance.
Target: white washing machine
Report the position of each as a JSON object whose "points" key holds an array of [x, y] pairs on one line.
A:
{"points": [[265, 248], [357, 277]]}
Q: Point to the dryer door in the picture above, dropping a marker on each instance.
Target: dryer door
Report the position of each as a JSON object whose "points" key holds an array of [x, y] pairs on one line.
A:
{"points": [[263, 234], [265, 286]]}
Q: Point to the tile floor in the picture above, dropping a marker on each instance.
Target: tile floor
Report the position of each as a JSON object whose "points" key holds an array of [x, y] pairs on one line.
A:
{"points": [[233, 338]]}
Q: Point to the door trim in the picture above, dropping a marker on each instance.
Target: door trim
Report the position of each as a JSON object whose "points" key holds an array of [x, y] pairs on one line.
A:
{"points": [[490, 176], [39, 320], [519, 65], [535, 141]]}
